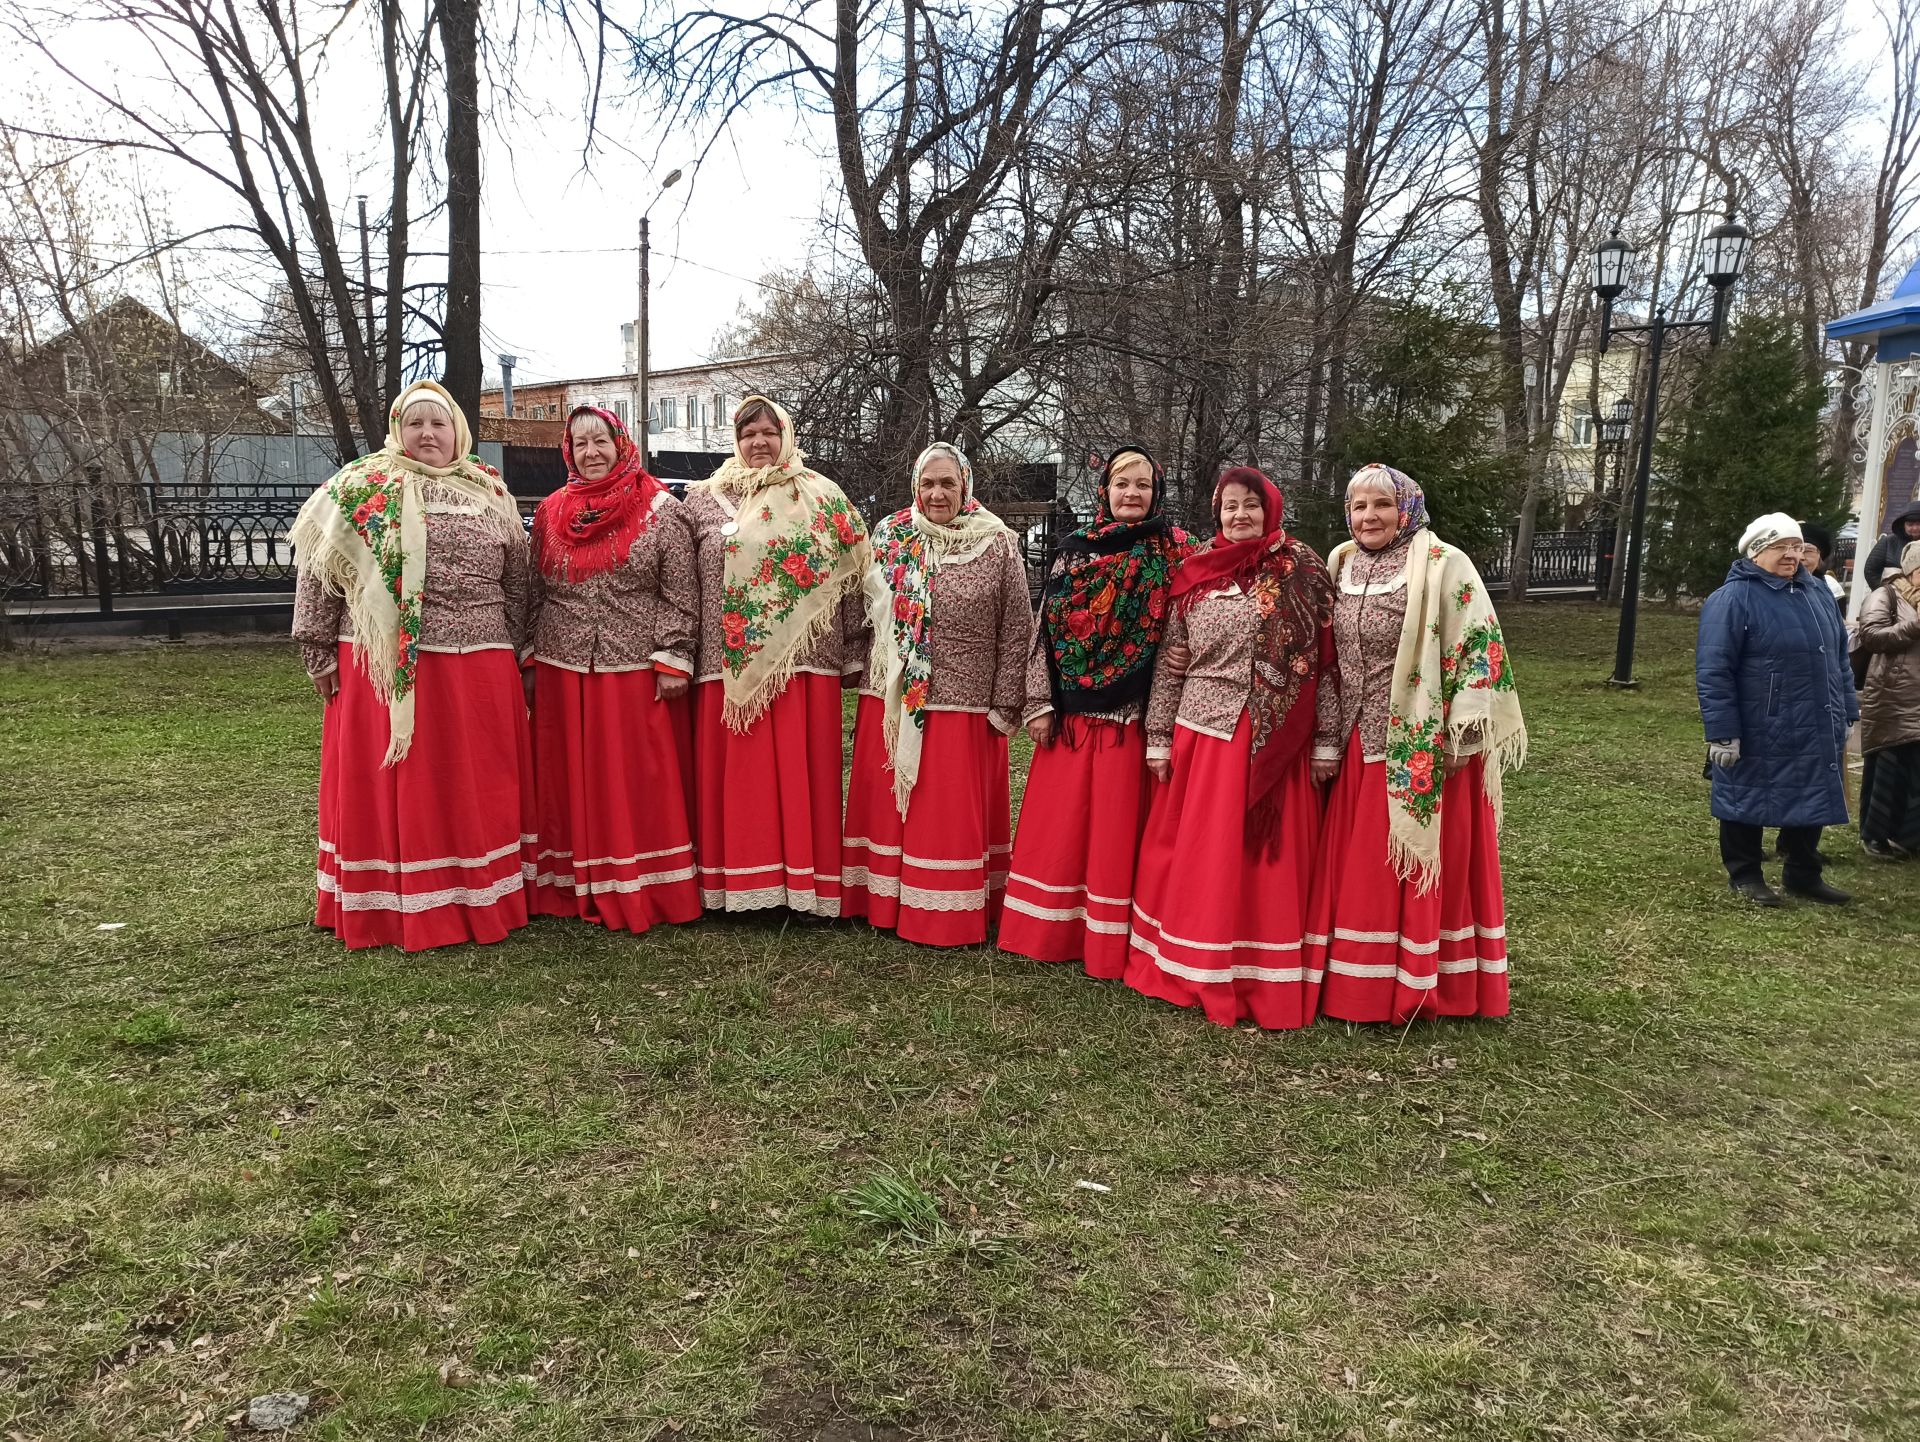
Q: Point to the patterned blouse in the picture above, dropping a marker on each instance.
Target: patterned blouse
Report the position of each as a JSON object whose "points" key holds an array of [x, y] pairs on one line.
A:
{"points": [[475, 600], [1369, 608], [981, 632], [631, 617], [1220, 630]]}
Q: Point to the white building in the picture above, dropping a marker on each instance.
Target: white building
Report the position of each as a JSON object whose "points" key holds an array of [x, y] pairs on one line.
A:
{"points": [[690, 407]]}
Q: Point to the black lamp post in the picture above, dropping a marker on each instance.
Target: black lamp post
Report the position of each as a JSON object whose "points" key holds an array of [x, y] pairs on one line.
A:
{"points": [[1613, 428], [1724, 260]]}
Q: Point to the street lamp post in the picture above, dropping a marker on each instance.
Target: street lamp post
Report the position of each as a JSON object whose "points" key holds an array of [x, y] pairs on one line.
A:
{"points": [[640, 339], [1725, 258], [1613, 429]]}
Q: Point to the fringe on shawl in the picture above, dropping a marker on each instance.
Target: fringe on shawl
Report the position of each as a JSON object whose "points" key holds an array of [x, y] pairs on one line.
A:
{"points": [[1441, 570], [946, 545], [813, 618], [735, 481], [328, 547]]}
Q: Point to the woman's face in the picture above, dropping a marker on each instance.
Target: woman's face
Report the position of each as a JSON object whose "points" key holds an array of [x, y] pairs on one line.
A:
{"points": [[760, 441], [426, 434], [593, 449], [1242, 513], [1130, 489], [937, 492], [1373, 515], [1810, 555], [1782, 558]]}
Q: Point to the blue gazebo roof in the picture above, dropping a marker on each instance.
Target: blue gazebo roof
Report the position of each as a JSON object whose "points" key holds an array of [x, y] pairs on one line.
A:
{"points": [[1893, 324]]}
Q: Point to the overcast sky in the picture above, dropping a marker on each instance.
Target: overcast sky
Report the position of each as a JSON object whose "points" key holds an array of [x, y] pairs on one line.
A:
{"points": [[559, 272]]}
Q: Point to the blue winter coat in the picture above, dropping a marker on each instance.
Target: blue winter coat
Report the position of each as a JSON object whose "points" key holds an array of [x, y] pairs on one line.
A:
{"points": [[1772, 670]]}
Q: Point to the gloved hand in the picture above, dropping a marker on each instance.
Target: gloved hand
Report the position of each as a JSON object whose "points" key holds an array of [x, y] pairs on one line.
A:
{"points": [[1724, 753]]}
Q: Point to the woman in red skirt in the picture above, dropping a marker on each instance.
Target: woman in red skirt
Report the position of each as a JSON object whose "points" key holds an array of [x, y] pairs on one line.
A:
{"points": [[927, 817], [1220, 897], [1102, 614], [1407, 915], [410, 611], [781, 558], [615, 608]]}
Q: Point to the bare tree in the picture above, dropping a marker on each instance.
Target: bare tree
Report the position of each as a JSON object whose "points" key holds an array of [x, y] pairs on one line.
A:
{"points": [[930, 110], [238, 110], [1366, 94]]}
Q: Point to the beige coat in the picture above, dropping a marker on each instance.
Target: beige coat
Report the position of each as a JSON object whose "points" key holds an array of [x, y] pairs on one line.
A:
{"points": [[1889, 631]]}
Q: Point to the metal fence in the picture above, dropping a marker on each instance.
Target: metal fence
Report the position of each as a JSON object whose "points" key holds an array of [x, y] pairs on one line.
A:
{"points": [[1562, 561], [98, 540]]}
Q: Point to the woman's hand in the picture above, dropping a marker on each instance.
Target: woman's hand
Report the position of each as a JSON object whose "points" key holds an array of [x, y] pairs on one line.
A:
{"points": [[1456, 764], [1724, 753], [668, 687], [1161, 770], [1325, 768], [1040, 729], [1178, 658], [327, 685]]}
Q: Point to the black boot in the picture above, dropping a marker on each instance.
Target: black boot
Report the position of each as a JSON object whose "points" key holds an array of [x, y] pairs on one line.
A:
{"points": [[1818, 890], [1754, 889]]}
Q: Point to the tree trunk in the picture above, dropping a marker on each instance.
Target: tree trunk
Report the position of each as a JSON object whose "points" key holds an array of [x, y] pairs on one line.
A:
{"points": [[460, 42]]}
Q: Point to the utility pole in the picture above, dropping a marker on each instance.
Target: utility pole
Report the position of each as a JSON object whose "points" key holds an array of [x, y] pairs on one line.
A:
{"points": [[640, 337], [640, 353], [366, 291]]}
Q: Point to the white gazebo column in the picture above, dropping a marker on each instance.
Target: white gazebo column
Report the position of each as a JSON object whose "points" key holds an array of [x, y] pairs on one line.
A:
{"points": [[1873, 485]]}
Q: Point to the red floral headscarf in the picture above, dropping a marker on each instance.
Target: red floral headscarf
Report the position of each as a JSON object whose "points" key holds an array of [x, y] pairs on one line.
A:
{"points": [[1293, 655], [587, 527]]}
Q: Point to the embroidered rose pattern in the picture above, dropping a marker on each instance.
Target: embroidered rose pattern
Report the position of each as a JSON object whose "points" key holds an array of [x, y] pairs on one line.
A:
{"points": [[371, 500], [1128, 601], [1413, 759], [1478, 662], [793, 568], [901, 554]]}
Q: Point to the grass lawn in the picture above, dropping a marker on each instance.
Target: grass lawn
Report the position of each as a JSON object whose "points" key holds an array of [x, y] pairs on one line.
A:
{"points": [[788, 1179]]}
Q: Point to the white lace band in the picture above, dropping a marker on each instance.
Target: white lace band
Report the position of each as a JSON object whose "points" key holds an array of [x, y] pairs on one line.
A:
{"points": [[414, 902], [439, 863]]}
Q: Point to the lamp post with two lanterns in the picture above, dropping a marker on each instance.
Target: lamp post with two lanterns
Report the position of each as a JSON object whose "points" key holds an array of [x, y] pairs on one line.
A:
{"points": [[1725, 259]]}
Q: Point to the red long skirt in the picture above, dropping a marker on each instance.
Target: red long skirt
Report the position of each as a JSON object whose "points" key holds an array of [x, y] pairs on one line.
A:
{"points": [[436, 849], [615, 846], [767, 809], [1389, 952], [1219, 922], [1070, 885], [937, 877]]}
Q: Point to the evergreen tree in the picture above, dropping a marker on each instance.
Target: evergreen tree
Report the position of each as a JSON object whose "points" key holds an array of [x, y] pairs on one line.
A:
{"points": [[1752, 444], [1424, 400]]}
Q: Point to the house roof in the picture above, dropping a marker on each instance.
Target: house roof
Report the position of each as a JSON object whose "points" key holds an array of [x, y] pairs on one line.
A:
{"points": [[738, 363], [128, 305], [1898, 314]]}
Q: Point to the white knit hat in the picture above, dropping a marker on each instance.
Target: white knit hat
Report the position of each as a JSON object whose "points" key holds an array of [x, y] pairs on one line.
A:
{"points": [[1778, 526], [1910, 558]]}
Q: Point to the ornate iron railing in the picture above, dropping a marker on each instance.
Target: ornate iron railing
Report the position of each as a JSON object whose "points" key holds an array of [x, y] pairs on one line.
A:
{"points": [[1562, 560], [61, 541]]}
